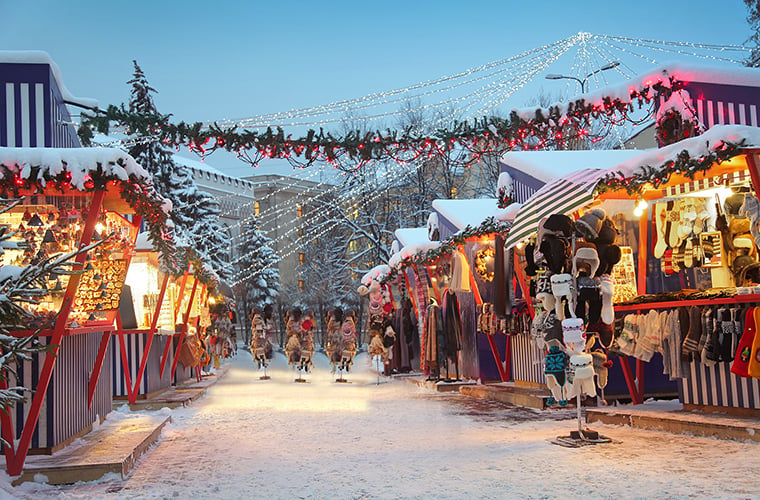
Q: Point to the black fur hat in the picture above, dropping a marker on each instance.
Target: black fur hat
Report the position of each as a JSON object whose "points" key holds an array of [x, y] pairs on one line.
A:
{"points": [[609, 255], [559, 225], [555, 253]]}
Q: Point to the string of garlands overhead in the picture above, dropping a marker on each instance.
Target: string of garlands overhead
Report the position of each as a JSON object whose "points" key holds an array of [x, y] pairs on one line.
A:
{"points": [[547, 127], [489, 226]]}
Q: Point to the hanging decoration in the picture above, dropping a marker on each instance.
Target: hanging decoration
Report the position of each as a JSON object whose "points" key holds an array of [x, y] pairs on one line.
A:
{"points": [[484, 262]]}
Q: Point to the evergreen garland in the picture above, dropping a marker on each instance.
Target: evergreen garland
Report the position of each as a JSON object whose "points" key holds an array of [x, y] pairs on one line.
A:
{"points": [[656, 176], [546, 127], [489, 226]]}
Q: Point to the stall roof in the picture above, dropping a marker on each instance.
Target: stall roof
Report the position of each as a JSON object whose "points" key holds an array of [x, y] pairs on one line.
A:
{"points": [[544, 166], [411, 235], [704, 73], [375, 275], [696, 147], [41, 57], [473, 212]]}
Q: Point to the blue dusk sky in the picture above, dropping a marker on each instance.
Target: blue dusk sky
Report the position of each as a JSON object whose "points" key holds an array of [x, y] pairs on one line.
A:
{"points": [[233, 59]]}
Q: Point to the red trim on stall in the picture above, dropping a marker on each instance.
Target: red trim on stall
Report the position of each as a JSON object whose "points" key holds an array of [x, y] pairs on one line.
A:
{"points": [[15, 454], [183, 332]]}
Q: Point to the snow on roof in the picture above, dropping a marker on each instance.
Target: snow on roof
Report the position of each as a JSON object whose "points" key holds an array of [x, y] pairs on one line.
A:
{"points": [[142, 243], [412, 250], [41, 57], [725, 75], [79, 162], [549, 165], [696, 147], [473, 213], [411, 235], [375, 274]]}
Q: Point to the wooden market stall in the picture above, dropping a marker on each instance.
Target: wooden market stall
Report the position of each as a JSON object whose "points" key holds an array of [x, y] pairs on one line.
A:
{"points": [[72, 198], [156, 315]]}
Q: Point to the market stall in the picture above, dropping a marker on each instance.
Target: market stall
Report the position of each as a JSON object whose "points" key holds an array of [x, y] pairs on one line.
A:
{"points": [[477, 228], [71, 198], [697, 265]]}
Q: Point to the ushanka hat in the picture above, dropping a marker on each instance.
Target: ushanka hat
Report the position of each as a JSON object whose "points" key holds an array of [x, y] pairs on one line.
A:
{"points": [[607, 233], [586, 258], [559, 225], [554, 251], [589, 224], [609, 255]]}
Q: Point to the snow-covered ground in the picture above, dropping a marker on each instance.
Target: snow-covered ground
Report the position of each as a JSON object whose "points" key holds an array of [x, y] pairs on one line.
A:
{"points": [[250, 438]]}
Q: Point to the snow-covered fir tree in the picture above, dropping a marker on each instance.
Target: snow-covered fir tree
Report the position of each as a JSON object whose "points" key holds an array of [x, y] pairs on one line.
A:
{"points": [[257, 268], [195, 214]]}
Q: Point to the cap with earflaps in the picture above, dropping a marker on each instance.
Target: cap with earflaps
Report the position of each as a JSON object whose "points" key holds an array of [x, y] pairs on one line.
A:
{"points": [[589, 224], [586, 258]]}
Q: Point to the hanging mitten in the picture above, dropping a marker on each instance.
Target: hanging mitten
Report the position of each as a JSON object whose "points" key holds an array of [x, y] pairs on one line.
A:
{"points": [[740, 366], [607, 289], [602, 363], [661, 241]]}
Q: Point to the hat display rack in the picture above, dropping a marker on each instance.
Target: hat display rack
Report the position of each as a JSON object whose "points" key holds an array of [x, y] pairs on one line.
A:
{"points": [[571, 262]]}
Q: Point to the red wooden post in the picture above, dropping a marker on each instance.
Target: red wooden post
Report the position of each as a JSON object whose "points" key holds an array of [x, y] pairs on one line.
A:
{"points": [[502, 373], [16, 465], [184, 327], [629, 380]]}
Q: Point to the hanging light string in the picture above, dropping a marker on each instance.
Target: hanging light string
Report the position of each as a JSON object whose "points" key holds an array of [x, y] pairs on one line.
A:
{"points": [[294, 246], [343, 105]]}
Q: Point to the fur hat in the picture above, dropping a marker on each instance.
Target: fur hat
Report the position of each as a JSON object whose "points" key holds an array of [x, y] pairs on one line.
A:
{"points": [[586, 256], [560, 225], [590, 223], [609, 255], [607, 233], [555, 254]]}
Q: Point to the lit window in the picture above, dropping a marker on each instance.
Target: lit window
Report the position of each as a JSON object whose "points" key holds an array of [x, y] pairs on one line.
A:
{"points": [[453, 192], [256, 208], [352, 246], [300, 258], [299, 210], [300, 285]]}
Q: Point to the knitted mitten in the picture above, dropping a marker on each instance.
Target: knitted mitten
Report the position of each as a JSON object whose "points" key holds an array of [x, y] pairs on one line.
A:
{"points": [[607, 290]]}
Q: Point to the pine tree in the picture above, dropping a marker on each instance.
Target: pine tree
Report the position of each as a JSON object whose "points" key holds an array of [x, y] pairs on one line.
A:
{"points": [[195, 214], [753, 19], [258, 267]]}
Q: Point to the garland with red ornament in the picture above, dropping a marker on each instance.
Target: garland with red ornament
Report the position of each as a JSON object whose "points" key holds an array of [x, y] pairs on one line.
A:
{"points": [[552, 127]]}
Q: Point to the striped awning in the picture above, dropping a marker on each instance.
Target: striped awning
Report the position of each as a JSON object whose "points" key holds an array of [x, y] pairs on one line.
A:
{"points": [[564, 195]]}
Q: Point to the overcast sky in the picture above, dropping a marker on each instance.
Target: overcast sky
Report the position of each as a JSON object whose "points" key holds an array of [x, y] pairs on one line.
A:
{"points": [[232, 59]]}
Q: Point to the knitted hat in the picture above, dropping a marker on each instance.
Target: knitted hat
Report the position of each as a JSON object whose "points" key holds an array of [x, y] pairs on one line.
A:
{"points": [[544, 287], [561, 284], [552, 329], [559, 224], [607, 233], [586, 257], [572, 331], [590, 223]]}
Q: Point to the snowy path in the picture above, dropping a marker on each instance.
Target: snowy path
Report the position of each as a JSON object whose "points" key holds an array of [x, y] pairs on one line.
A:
{"points": [[277, 439]]}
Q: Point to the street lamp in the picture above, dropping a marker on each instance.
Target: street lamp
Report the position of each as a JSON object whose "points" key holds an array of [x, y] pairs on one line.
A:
{"points": [[607, 66]]}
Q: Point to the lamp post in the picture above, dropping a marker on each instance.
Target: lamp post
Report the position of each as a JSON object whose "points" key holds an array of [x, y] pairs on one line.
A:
{"points": [[607, 66]]}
